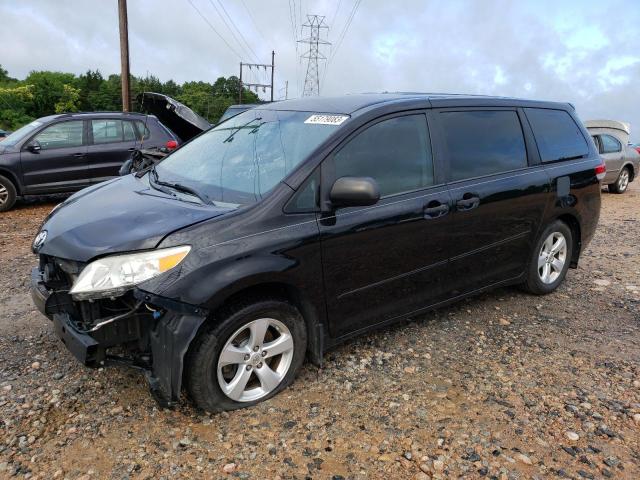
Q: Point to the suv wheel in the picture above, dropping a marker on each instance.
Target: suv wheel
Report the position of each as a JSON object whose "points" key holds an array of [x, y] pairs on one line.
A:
{"points": [[249, 355], [550, 259], [7, 194], [621, 184]]}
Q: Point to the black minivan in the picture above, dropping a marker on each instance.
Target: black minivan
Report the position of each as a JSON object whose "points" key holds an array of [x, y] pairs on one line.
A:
{"points": [[295, 225]]}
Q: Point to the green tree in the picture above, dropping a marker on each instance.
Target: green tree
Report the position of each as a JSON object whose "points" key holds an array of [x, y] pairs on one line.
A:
{"points": [[69, 100], [14, 102]]}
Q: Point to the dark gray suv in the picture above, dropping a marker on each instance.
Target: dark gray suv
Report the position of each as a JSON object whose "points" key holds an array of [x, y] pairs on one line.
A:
{"points": [[67, 152]]}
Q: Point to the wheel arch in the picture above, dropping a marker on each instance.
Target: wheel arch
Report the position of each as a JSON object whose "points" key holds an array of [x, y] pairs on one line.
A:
{"points": [[576, 232], [12, 178], [632, 170], [261, 288]]}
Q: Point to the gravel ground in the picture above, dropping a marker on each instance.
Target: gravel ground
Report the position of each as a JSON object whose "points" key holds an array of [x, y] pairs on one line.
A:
{"points": [[505, 385]]}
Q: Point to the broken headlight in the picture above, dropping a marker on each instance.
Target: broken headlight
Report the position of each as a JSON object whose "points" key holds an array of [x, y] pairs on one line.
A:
{"points": [[115, 274]]}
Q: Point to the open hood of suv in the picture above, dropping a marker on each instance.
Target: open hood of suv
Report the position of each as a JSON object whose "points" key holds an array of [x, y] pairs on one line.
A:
{"points": [[121, 215], [182, 121]]}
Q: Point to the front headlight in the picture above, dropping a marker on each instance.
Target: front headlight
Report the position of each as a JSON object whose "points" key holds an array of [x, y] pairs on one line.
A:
{"points": [[115, 274]]}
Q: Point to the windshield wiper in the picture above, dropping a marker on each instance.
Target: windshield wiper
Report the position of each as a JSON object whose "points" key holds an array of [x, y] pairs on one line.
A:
{"points": [[180, 187], [238, 128]]}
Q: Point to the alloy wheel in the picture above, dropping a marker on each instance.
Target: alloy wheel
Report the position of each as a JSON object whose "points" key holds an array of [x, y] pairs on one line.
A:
{"points": [[552, 257], [4, 195], [255, 360], [623, 180]]}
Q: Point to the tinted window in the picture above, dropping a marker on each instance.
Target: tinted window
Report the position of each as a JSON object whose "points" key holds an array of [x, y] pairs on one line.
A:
{"points": [[61, 135], [557, 135], [395, 152], [106, 131], [610, 144], [305, 199], [483, 142]]}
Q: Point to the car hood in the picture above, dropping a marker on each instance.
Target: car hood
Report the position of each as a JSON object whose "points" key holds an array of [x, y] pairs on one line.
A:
{"points": [[120, 215], [182, 121]]}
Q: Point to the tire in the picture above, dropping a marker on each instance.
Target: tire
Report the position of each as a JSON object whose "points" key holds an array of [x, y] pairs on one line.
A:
{"points": [[548, 266], [8, 194], [622, 183], [232, 332]]}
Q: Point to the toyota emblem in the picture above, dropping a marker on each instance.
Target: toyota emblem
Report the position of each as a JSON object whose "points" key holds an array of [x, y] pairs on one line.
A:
{"points": [[39, 240]]}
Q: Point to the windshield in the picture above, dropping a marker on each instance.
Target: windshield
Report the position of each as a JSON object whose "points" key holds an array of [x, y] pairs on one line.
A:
{"points": [[242, 159], [19, 134]]}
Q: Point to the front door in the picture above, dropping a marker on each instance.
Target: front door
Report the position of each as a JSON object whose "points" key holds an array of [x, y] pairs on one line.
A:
{"points": [[498, 198], [387, 260], [61, 163], [112, 143]]}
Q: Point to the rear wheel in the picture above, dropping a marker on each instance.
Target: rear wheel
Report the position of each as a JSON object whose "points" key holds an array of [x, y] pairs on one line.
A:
{"points": [[621, 184], [550, 259], [8, 194], [253, 353]]}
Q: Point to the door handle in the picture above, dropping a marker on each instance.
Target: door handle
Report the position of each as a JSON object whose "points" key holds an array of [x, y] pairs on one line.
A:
{"points": [[131, 149], [435, 209], [468, 201], [78, 155]]}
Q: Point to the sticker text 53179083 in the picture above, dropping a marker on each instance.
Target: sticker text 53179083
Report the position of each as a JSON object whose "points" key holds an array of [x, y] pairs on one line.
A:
{"points": [[326, 119]]}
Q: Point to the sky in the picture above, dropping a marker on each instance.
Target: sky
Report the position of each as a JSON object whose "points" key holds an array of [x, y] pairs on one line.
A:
{"points": [[584, 52]]}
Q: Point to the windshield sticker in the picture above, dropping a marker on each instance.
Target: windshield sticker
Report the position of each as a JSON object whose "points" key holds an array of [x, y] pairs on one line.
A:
{"points": [[326, 119]]}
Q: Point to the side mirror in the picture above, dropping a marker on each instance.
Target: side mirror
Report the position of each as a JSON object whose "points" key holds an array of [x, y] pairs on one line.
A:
{"points": [[354, 192], [34, 147]]}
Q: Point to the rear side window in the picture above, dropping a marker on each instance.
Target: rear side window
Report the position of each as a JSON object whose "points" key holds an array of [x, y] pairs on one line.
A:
{"points": [[143, 130], [483, 142], [396, 153], [129, 131], [557, 135], [106, 131], [610, 144]]}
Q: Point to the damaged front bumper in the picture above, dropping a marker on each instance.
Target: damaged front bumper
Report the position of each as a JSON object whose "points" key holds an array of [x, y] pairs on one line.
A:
{"points": [[152, 334]]}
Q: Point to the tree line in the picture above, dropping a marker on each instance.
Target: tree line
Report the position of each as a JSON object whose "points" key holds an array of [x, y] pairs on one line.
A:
{"points": [[44, 93]]}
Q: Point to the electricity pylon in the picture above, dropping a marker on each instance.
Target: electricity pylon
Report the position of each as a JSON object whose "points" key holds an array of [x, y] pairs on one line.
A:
{"points": [[315, 24]]}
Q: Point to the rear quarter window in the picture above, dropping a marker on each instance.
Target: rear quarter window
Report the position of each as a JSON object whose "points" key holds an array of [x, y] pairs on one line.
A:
{"points": [[557, 135]]}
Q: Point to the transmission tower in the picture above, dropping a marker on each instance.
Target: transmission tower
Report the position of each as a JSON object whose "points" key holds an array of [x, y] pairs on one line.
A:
{"points": [[315, 24]]}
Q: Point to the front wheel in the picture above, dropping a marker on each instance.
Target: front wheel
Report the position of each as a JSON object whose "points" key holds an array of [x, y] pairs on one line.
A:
{"points": [[7, 194], [550, 259], [621, 184], [253, 353]]}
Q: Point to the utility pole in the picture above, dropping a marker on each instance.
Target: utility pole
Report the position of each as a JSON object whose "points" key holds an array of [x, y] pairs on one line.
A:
{"points": [[286, 90], [240, 92], [124, 54], [258, 66], [273, 58], [315, 24]]}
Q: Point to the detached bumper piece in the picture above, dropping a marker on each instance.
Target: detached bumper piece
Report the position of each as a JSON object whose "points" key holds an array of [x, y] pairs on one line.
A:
{"points": [[147, 331]]}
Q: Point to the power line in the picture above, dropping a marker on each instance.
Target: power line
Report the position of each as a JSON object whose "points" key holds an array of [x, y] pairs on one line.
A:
{"points": [[346, 28], [237, 29], [244, 50], [253, 21], [335, 14], [214, 30]]}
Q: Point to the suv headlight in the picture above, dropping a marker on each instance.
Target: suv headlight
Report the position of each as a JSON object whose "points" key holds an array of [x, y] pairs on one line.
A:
{"points": [[115, 274]]}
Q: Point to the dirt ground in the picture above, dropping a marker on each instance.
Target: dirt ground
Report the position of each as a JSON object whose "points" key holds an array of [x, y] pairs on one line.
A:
{"points": [[505, 385]]}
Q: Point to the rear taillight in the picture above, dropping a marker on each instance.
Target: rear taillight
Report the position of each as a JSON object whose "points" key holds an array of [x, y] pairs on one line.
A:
{"points": [[601, 171], [637, 149], [171, 144]]}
